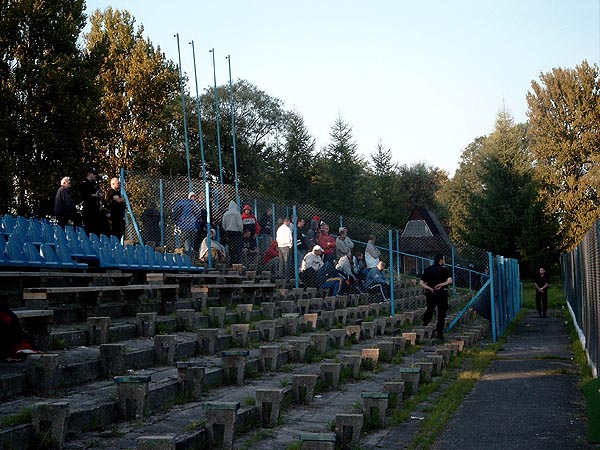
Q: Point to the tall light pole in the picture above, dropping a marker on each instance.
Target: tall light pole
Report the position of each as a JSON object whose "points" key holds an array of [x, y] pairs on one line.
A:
{"points": [[185, 131], [237, 191], [212, 50], [199, 120]]}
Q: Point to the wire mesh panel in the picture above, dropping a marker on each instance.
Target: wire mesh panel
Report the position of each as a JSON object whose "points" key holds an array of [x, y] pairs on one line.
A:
{"points": [[580, 270], [410, 251]]}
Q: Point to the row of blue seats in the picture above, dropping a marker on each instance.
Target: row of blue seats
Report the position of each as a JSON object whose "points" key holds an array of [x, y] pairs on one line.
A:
{"points": [[38, 243]]}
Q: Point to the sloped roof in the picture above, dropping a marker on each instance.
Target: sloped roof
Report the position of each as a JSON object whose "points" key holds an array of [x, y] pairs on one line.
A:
{"points": [[424, 233]]}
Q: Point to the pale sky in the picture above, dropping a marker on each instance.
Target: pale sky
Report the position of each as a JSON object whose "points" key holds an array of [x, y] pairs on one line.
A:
{"points": [[424, 77]]}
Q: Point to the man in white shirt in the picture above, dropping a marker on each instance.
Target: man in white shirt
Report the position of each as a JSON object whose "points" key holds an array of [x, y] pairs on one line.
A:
{"points": [[284, 244]]}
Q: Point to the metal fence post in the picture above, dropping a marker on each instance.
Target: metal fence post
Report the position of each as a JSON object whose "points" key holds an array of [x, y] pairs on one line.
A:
{"points": [[492, 297], [295, 246], [208, 225], [391, 251], [129, 209], [162, 213]]}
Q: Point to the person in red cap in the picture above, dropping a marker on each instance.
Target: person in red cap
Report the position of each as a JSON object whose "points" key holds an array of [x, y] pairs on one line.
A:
{"points": [[250, 222]]}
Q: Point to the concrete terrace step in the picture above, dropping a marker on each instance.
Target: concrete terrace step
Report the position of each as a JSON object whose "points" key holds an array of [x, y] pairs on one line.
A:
{"points": [[184, 420], [101, 409]]}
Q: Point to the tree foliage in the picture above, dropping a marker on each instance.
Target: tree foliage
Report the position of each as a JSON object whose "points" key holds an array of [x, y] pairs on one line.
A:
{"points": [[45, 100], [340, 172], [493, 197], [293, 168], [140, 94], [115, 103], [260, 120], [564, 122]]}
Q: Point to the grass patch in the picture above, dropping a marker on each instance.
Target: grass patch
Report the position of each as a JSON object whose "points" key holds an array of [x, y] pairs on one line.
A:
{"points": [[249, 401], [20, 418], [259, 436], [192, 426], [58, 344]]}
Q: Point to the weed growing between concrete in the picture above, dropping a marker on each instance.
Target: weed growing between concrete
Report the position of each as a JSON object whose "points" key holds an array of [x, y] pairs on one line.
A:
{"points": [[20, 418]]}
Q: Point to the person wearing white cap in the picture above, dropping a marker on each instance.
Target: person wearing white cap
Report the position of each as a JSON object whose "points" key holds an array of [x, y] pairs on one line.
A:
{"points": [[313, 259]]}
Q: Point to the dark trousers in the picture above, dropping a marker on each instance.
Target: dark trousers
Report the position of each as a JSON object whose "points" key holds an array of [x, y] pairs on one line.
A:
{"points": [[234, 242], [541, 302], [437, 300]]}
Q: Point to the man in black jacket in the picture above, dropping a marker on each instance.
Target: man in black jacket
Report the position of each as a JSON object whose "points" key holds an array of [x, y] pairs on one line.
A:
{"points": [[64, 206], [435, 281]]}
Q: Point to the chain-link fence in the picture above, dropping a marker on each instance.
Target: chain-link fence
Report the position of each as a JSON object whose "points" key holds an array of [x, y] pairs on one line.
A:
{"points": [[580, 269], [406, 252]]}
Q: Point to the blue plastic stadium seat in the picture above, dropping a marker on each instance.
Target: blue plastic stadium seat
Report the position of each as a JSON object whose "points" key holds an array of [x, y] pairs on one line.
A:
{"points": [[8, 223], [14, 251], [107, 260], [119, 258], [142, 258], [131, 258], [33, 257], [48, 232], [64, 257]]}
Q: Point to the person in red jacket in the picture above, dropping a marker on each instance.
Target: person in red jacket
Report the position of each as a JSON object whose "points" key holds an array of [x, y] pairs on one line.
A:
{"points": [[270, 258], [250, 223], [327, 243], [13, 341]]}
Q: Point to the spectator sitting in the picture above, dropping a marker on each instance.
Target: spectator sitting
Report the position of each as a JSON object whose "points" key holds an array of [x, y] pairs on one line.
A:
{"points": [[360, 267], [311, 264], [343, 244], [327, 243], [330, 279], [13, 342], [270, 258], [377, 281], [217, 250], [347, 265]]}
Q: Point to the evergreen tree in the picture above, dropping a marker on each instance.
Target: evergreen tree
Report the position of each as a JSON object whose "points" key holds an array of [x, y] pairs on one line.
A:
{"points": [[295, 161], [339, 173], [496, 207], [382, 186]]}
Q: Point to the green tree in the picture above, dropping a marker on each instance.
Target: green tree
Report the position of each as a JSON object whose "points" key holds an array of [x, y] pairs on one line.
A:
{"points": [[339, 172], [140, 98], [420, 183], [496, 205], [260, 121], [455, 195], [382, 182], [45, 100], [294, 163], [564, 118]]}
